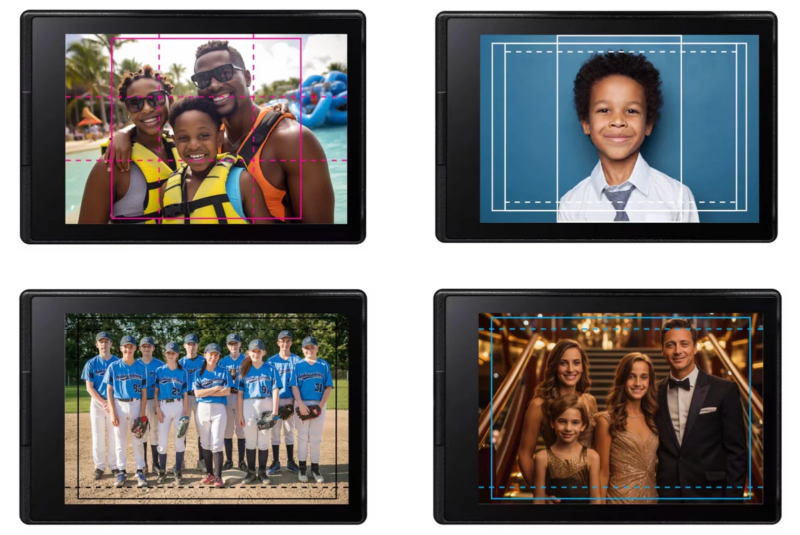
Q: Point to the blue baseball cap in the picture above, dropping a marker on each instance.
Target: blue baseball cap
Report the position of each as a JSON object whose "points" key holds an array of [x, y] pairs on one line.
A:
{"points": [[102, 335], [191, 338], [172, 346], [212, 348], [310, 341], [284, 334], [233, 337], [256, 344], [128, 339], [147, 340]]}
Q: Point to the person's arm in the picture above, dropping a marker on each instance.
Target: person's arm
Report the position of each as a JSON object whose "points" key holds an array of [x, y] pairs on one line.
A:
{"points": [[593, 459], [186, 403], [539, 477], [143, 397], [276, 392], [602, 443], [325, 395], [96, 395], [159, 414], [734, 441], [206, 392], [253, 201], [530, 435], [121, 145], [96, 201], [301, 407], [317, 189], [240, 408], [112, 408]]}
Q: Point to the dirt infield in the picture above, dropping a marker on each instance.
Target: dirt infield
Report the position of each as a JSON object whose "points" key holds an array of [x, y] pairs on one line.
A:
{"points": [[283, 488]]}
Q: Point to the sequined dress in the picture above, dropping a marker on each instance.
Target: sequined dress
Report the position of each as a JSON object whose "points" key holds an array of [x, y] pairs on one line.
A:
{"points": [[567, 478], [632, 468]]}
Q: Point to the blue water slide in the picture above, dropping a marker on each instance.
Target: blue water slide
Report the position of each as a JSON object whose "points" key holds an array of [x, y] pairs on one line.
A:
{"points": [[317, 116], [338, 116], [337, 76], [312, 79]]}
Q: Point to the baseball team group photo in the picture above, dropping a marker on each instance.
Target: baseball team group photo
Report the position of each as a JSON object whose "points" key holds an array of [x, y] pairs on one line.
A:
{"points": [[239, 408], [644, 408]]}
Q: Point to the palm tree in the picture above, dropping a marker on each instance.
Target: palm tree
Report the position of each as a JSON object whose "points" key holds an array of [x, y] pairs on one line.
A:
{"points": [[105, 40], [175, 73], [87, 66], [336, 66]]}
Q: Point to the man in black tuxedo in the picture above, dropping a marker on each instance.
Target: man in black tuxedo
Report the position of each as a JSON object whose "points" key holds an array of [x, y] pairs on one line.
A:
{"points": [[702, 451]]}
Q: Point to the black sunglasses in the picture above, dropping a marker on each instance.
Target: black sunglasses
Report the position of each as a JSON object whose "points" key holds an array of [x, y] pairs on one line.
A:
{"points": [[136, 104], [223, 73]]}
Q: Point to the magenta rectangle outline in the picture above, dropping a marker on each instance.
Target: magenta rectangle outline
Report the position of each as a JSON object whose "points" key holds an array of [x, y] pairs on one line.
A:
{"points": [[300, 120]]}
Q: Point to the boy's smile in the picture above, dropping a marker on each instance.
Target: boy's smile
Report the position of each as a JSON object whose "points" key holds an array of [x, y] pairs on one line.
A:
{"points": [[617, 121], [197, 139]]}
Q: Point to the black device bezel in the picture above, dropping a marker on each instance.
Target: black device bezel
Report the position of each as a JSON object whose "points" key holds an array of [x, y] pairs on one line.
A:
{"points": [[457, 132], [455, 385], [42, 315], [42, 217]]}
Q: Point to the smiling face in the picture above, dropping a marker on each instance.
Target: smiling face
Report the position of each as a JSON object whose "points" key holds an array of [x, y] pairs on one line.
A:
{"points": [[151, 119], [171, 357], [570, 367], [638, 380], [256, 355], [226, 95], [233, 347], [285, 344], [147, 350], [568, 425], [128, 350], [212, 357], [197, 139], [679, 350], [310, 351], [617, 121]]}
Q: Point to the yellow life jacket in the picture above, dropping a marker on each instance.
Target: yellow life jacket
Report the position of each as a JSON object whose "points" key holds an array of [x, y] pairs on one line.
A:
{"points": [[210, 204], [155, 170]]}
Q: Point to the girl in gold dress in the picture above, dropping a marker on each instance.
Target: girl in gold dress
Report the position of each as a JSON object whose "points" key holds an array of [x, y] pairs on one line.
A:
{"points": [[626, 436], [566, 371], [567, 468]]}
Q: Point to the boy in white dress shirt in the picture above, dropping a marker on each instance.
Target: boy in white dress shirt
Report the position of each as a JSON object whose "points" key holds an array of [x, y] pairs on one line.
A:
{"points": [[618, 100]]}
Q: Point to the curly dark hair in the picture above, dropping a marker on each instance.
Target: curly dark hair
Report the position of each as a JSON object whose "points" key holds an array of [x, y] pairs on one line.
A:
{"points": [[634, 66], [207, 106], [213, 46], [145, 72]]}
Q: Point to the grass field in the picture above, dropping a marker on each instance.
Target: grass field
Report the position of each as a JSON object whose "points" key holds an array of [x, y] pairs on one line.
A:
{"points": [[342, 391]]}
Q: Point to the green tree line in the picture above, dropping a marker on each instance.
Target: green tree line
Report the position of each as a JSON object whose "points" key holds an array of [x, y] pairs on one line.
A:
{"points": [[331, 330]]}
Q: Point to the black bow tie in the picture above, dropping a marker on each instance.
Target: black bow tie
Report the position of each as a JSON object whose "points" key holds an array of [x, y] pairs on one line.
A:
{"points": [[674, 383]]}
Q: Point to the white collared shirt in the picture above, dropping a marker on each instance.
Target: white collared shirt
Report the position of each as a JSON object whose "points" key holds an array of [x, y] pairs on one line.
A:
{"points": [[679, 401], [656, 198]]}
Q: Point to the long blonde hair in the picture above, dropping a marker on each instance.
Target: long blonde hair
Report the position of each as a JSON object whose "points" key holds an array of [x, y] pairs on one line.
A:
{"points": [[617, 400]]}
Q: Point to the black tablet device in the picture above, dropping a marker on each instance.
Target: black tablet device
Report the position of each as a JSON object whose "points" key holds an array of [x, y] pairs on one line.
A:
{"points": [[193, 407], [586, 406], [268, 132], [638, 119]]}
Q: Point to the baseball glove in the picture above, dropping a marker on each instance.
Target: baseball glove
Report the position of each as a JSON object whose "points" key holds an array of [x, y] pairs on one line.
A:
{"points": [[139, 426], [267, 421], [182, 427], [313, 412], [285, 412]]}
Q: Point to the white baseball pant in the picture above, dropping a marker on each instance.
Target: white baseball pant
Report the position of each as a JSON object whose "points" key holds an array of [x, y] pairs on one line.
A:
{"points": [[173, 412], [151, 435], [211, 420], [309, 434], [287, 426], [102, 430], [232, 414], [253, 437], [127, 412]]}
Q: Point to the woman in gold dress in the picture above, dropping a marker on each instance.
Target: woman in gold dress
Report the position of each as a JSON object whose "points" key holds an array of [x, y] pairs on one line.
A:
{"points": [[566, 371], [626, 436]]}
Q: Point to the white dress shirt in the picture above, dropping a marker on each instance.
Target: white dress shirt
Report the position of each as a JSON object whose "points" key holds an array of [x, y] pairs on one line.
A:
{"points": [[679, 401], [656, 198]]}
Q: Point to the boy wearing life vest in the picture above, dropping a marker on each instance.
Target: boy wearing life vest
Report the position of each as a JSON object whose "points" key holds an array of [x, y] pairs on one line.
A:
{"points": [[208, 188]]}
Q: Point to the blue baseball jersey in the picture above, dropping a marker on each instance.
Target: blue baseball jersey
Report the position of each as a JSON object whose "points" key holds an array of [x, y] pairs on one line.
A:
{"points": [[208, 379], [172, 384], [259, 382], [154, 365], [286, 371], [128, 381], [95, 371], [313, 379], [233, 367], [192, 366]]}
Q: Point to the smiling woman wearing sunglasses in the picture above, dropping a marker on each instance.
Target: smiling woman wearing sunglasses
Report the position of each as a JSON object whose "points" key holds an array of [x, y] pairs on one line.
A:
{"points": [[146, 95]]}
